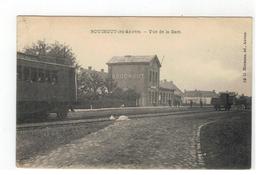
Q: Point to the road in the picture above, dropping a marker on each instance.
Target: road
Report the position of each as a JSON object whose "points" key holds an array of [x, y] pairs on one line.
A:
{"points": [[158, 142]]}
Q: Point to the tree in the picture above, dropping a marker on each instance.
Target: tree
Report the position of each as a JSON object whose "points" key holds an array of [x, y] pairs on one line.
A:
{"points": [[41, 48], [110, 84], [56, 50], [90, 85], [117, 93], [130, 96]]}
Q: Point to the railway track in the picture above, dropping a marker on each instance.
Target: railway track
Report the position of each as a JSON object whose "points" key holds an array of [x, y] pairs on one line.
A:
{"points": [[80, 121]]}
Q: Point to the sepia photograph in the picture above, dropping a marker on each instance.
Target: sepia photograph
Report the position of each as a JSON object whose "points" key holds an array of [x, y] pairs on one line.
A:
{"points": [[134, 92]]}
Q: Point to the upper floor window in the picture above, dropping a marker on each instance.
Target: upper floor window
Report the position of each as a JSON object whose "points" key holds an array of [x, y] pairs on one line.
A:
{"points": [[153, 76], [156, 75], [150, 76]]}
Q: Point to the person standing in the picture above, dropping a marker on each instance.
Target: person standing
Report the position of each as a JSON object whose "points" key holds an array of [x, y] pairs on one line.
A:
{"points": [[201, 104]]}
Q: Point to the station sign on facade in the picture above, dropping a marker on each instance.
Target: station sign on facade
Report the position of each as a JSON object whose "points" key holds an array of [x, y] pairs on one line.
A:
{"points": [[127, 76]]}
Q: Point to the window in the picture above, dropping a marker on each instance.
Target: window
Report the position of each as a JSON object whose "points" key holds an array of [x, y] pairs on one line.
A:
{"points": [[19, 72], [54, 77], [41, 77], [34, 76], [153, 78], [156, 97], [47, 76], [26, 74], [150, 97], [150, 79], [156, 78]]}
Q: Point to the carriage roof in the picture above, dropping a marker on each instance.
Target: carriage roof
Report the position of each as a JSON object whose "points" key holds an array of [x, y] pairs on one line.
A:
{"points": [[44, 60]]}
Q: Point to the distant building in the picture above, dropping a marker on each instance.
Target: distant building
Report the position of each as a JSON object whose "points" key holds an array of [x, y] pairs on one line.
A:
{"points": [[196, 96], [141, 73], [91, 71], [170, 94]]}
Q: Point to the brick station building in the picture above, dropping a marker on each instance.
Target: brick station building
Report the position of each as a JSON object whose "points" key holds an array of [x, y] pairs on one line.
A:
{"points": [[141, 73]]}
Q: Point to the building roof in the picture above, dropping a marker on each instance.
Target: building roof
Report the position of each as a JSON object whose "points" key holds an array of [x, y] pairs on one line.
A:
{"points": [[133, 59], [101, 73], [42, 58], [199, 93], [170, 85]]}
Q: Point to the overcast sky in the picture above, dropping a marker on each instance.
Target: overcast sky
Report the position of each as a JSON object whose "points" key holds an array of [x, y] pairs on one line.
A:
{"points": [[207, 53]]}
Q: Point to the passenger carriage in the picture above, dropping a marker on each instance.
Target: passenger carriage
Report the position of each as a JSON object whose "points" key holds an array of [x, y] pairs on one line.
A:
{"points": [[44, 85]]}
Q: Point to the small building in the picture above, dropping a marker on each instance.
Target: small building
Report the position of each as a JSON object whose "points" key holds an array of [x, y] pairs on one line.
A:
{"points": [[170, 94], [166, 96], [141, 73], [198, 96]]}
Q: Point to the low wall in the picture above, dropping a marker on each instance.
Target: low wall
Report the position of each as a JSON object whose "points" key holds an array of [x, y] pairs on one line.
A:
{"points": [[106, 112]]}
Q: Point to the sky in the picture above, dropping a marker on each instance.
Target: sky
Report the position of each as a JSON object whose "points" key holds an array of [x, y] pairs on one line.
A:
{"points": [[197, 53]]}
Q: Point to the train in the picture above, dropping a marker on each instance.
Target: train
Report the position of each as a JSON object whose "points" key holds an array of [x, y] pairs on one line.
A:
{"points": [[44, 85], [223, 101]]}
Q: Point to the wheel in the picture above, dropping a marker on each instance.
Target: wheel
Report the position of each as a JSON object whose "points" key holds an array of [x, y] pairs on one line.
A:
{"points": [[62, 114], [43, 115]]}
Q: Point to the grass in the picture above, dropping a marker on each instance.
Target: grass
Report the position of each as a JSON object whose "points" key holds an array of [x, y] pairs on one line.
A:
{"points": [[226, 144]]}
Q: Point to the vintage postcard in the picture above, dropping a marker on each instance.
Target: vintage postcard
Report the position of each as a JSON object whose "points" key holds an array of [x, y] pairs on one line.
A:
{"points": [[134, 92]]}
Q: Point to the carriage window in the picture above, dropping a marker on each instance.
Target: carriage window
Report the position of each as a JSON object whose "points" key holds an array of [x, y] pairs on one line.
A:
{"points": [[54, 77], [34, 76], [47, 76], [41, 77], [19, 72], [26, 74]]}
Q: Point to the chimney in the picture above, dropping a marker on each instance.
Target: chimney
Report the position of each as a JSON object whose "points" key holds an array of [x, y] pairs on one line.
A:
{"points": [[89, 68], [102, 70]]}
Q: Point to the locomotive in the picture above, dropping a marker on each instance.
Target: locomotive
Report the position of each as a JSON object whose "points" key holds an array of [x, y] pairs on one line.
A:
{"points": [[44, 85]]}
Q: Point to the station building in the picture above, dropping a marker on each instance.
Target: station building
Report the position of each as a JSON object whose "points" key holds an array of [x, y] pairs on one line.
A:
{"points": [[141, 73]]}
